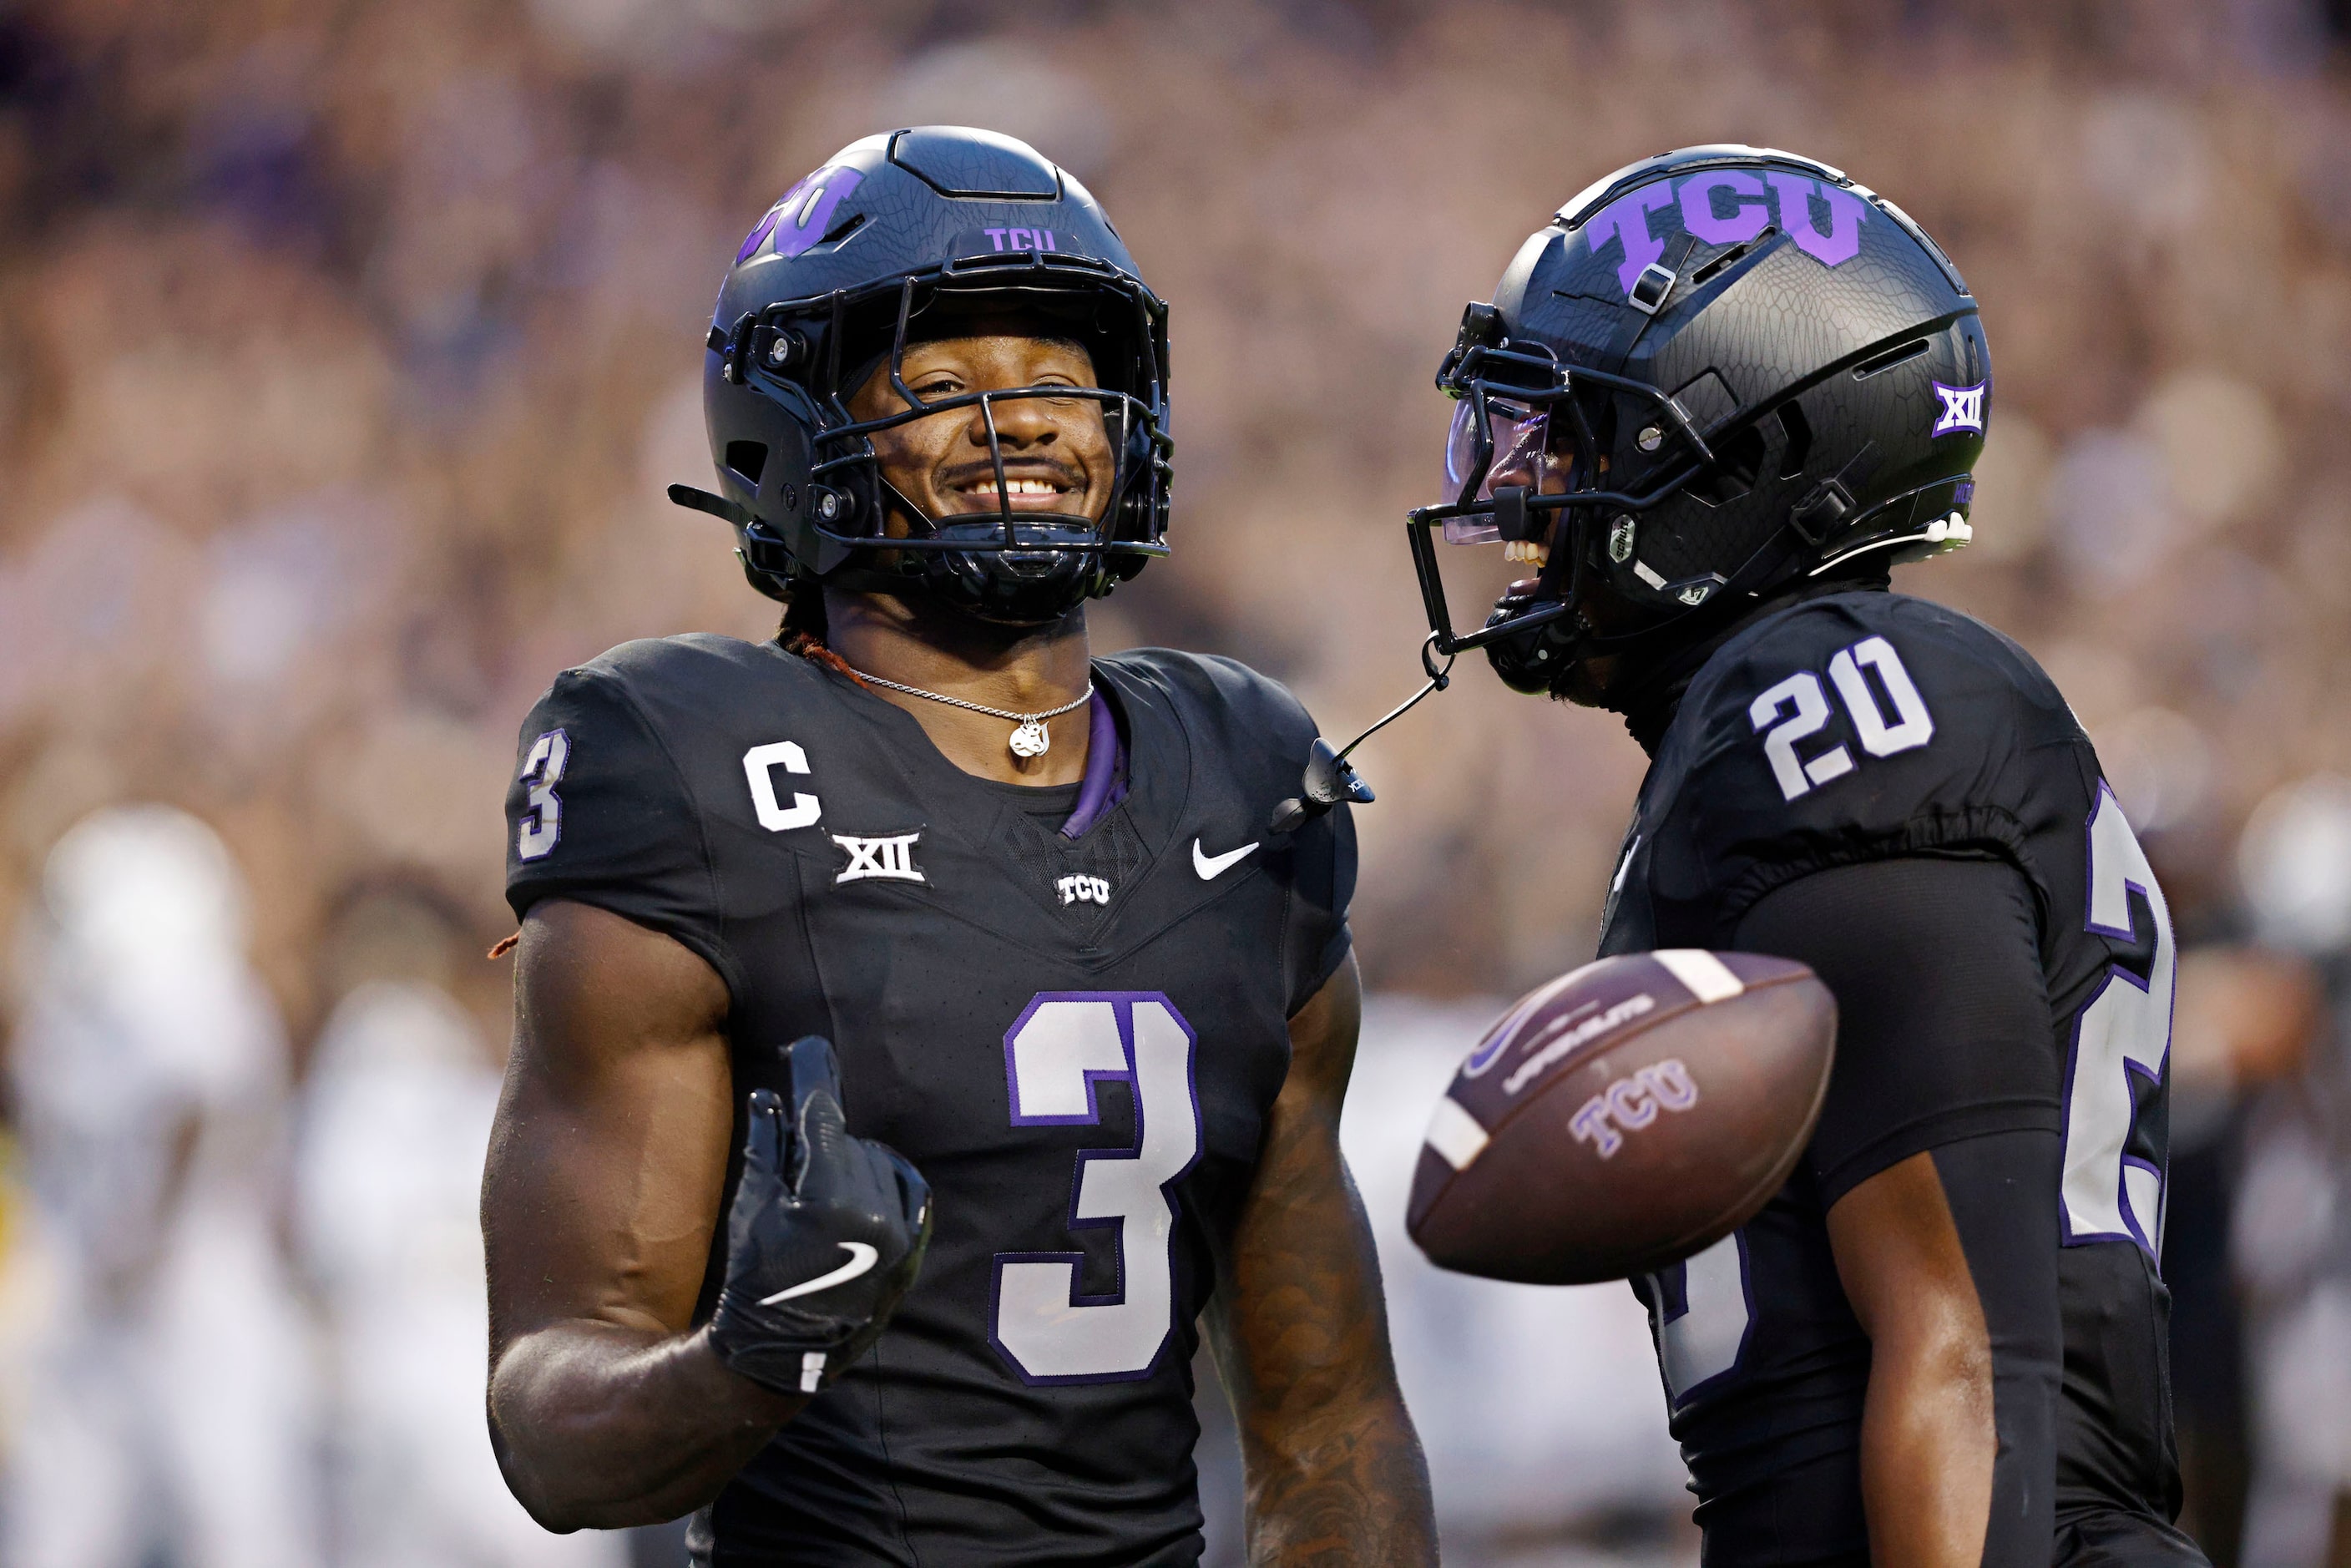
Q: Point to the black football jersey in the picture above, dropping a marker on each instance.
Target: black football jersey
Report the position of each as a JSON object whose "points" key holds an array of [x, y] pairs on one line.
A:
{"points": [[1855, 728], [1076, 1041]]}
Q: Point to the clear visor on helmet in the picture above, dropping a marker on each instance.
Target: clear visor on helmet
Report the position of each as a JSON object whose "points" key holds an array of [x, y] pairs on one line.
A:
{"points": [[1516, 451]]}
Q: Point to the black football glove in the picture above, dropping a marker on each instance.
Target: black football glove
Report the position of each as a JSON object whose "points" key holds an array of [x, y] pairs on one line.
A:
{"points": [[825, 1236]]}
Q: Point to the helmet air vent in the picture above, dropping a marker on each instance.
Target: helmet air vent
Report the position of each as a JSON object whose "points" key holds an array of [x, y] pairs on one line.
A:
{"points": [[1900, 354], [1713, 269], [748, 460]]}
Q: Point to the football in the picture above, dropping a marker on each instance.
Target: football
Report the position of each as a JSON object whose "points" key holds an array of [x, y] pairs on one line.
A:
{"points": [[1623, 1116]]}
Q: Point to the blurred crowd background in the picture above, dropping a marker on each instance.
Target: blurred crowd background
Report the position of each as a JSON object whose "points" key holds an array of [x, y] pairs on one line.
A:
{"points": [[345, 346]]}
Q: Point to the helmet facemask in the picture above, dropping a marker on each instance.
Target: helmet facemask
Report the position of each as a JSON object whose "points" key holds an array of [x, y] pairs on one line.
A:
{"points": [[1530, 457], [1014, 565]]}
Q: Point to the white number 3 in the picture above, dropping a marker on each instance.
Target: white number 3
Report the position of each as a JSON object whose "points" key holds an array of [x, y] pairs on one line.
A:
{"points": [[542, 821], [1062, 1046]]}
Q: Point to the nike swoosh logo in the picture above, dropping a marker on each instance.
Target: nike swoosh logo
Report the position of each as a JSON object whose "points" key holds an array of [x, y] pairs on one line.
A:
{"points": [[1212, 866], [860, 1259]]}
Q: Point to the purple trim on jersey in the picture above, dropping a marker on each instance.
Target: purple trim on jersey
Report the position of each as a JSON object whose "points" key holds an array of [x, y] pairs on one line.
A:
{"points": [[2071, 1237], [2143, 1231], [1105, 781], [533, 776], [2134, 1231], [1123, 1014], [1123, 1005]]}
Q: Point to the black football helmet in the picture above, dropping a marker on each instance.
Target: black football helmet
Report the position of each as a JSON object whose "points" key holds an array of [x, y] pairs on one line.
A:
{"points": [[896, 235], [1714, 373]]}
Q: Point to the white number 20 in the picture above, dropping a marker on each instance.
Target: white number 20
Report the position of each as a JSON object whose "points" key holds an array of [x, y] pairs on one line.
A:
{"points": [[2122, 1034], [1061, 1047], [1797, 709]]}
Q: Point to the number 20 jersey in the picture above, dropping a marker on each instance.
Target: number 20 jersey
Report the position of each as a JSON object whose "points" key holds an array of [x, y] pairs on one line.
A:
{"points": [[1861, 727], [1075, 1041]]}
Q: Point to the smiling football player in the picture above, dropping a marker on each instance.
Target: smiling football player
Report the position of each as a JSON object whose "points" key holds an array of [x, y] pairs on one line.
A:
{"points": [[1711, 404], [919, 1034]]}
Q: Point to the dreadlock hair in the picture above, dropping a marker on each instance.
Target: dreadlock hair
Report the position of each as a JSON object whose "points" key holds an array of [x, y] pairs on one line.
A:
{"points": [[804, 628]]}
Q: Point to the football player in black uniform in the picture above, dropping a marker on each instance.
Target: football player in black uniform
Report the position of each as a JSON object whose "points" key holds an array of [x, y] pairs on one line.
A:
{"points": [[1092, 1022], [1712, 402]]}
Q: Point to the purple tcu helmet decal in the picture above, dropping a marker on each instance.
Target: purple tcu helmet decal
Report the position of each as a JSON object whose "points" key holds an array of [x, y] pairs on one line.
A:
{"points": [[1727, 207], [800, 220], [1962, 409]]}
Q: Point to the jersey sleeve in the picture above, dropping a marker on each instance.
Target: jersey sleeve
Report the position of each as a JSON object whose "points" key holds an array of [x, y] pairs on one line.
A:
{"points": [[1943, 1026], [1323, 884], [599, 812]]}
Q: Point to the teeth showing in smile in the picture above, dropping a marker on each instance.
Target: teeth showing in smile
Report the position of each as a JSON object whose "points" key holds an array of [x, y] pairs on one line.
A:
{"points": [[1533, 550], [985, 489]]}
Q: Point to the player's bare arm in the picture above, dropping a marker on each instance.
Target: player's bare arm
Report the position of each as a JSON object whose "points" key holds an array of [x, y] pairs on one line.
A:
{"points": [[600, 1200], [598, 1207], [1928, 1438], [1334, 1470]]}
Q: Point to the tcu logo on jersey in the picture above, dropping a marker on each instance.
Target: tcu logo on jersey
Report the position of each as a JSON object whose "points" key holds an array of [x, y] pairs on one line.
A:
{"points": [[1632, 1103], [888, 859], [1083, 890]]}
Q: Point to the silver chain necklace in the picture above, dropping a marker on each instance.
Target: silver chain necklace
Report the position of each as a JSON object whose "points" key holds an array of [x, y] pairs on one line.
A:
{"points": [[1030, 738]]}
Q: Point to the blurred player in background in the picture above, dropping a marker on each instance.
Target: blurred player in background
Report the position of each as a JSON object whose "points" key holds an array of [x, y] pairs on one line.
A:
{"points": [[396, 1112], [2291, 1242], [1074, 983], [168, 1406], [1711, 404]]}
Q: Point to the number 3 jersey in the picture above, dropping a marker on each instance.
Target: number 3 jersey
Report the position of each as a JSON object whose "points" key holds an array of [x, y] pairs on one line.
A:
{"points": [[1075, 1040], [1897, 795]]}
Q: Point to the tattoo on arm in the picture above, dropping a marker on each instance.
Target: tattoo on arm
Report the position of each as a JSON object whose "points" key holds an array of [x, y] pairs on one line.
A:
{"points": [[1335, 1471]]}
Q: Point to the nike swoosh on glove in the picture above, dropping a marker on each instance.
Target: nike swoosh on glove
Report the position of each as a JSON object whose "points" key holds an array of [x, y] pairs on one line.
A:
{"points": [[825, 1236]]}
